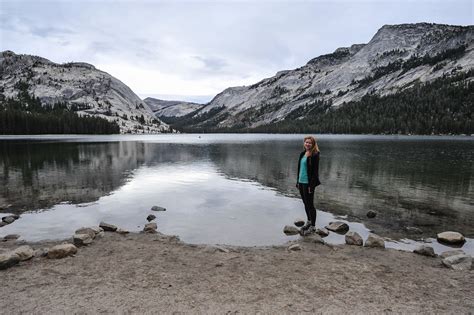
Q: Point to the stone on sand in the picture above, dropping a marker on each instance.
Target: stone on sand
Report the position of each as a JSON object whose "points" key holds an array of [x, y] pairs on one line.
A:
{"points": [[353, 238], [61, 251]]}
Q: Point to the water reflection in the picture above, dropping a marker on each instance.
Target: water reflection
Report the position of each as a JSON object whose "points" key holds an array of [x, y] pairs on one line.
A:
{"points": [[237, 191]]}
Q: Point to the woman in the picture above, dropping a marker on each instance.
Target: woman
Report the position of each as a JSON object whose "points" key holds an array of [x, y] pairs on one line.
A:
{"points": [[308, 179]]}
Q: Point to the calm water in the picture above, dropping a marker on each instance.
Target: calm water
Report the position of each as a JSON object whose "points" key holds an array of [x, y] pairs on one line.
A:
{"points": [[237, 189]]}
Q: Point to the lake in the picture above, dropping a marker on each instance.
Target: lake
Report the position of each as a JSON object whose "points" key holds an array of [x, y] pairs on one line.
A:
{"points": [[238, 189]]}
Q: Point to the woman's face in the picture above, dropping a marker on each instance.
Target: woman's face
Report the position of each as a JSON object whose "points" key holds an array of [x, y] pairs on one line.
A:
{"points": [[308, 145]]}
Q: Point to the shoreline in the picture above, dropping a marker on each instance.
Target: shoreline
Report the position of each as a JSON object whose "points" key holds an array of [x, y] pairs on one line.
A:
{"points": [[141, 272]]}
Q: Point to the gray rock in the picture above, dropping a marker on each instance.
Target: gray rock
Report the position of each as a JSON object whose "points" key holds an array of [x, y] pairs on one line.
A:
{"points": [[313, 238], [41, 252], [96, 229], [221, 249], [299, 222], [451, 253], [8, 260], [413, 230], [452, 238], [122, 231], [16, 216], [425, 251], [338, 227], [100, 235], [291, 230], [2, 224], [156, 208], [61, 251], [371, 214], [10, 237], [108, 227], [374, 241], [8, 219], [353, 238], [294, 247], [150, 217], [82, 239], [25, 252], [458, 262], [323, 232], [150, 227], [86, 230]]}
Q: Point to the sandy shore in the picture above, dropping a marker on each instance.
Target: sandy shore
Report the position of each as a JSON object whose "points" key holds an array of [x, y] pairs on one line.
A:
{"points": [[154, 273]]}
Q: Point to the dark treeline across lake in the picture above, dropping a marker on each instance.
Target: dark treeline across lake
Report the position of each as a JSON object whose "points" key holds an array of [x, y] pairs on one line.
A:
{"points": [[235, 180]]}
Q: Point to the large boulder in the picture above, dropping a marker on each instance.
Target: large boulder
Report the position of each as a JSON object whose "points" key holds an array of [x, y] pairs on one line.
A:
{"points": [[425, 251], [61, 251], [291, 230], [374, 241], [353, 238], [25, 252], [458, 262], [451, 238], [338, 227], [150, 227], [87, 230], [82, 239], [108, 227], [8, 260]]}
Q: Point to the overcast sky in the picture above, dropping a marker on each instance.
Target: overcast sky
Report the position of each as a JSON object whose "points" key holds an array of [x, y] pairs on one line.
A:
{"points": [[192, 50]]}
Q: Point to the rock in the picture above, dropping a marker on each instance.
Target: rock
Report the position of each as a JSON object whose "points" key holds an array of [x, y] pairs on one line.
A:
{"points": [[61, 251], [150, 227], [219, 264], [2, 224], [156, 208], [221, 249], [86, 230], [313, 238], [82, 239], [299, 222], [10, 237], [41, 252], [8, 260], [100, 235], [24, 252], [96, 229], [294, 247], [150, 217], [9, 219], [15, 216], [413, 230], [353, 238], [291, 230], [108, 227], [122, 231], [371, 214], [458, 262], [425, 251], [374, 241], [338, 227], [452, 238], [323, 232], [451, 253]]}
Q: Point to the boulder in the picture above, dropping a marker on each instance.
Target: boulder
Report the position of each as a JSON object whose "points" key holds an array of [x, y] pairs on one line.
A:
{"points": [[425, 251], [41, 252], [371, 214], [323, 232], [8, 219], [299, 222], [96, 229], [150, 217], [291, 230], [458, 262], [82, 239], [451, 253], [353, 238], [100, 235], [61, 251], [451, 238], [150, 227], [24, 252], [11, 237], [313, 238], [108, 227], [294, 247], [338, 227], [86, 230], [8, 260], [156, 208], [374, 241], [122, 231]]}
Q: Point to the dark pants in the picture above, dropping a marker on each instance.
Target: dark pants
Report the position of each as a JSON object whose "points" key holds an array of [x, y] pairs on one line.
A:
{"points": [[308, 200]]}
